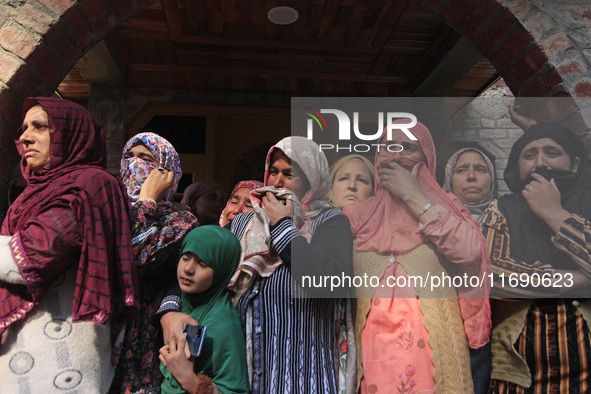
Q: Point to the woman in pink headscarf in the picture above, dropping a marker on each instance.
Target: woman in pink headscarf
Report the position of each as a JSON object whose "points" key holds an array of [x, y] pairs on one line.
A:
{"points": [[412, 337]]}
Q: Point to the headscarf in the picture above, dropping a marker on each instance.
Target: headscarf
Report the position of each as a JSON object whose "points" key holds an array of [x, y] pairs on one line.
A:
{"points": [[106, 273], [224, 362], [258, 259], [530, 235], [337, 164], [250, 185], [476, 209], [134, 170], [199, 188], [384, 224], [308, 156]]}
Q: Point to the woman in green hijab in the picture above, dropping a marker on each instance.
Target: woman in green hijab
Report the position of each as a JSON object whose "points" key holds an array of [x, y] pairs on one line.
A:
{"points": [[209, 258]]}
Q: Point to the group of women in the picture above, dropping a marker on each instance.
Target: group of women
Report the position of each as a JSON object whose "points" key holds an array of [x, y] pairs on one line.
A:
{"points": [[83, 272]]}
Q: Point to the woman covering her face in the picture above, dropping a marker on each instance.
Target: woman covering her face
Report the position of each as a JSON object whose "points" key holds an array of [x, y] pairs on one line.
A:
{"points": [[470, 175], [542, 229], [352, 180], [294, 352], [150, 170], [67, 277], [205, 199], [239, 201], [408, 340]]}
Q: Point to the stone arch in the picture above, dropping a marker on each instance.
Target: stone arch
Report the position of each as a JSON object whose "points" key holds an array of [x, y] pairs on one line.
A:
{"points": [[40, 42], [532, 43]]}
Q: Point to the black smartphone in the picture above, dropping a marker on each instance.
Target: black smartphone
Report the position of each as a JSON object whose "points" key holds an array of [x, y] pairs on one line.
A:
{"points": [[195, 337]]}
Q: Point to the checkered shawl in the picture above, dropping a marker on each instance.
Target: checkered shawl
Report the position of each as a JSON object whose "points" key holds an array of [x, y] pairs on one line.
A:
{"points": [[75, 213]]}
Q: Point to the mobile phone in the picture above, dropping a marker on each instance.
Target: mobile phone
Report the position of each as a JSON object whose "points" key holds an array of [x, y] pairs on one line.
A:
{"points": [[195, 337]]}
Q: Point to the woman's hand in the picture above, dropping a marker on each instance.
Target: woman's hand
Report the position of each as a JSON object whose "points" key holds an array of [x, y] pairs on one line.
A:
{"points": [[518, 117], [275, 209], [399, 181], [405, 185], [174, 359], [543, 198], [173, 327], [157, 184]]}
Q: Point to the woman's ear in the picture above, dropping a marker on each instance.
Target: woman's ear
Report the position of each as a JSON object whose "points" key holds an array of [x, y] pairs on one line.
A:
{"points": [[575, 165]]}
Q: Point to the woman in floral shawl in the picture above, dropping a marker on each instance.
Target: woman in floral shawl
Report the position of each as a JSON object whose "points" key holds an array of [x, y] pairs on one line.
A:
{"points": [[150, 170]]}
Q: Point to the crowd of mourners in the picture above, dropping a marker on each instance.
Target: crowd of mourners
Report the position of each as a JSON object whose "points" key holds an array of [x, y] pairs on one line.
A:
{"points": [[101, 275]]}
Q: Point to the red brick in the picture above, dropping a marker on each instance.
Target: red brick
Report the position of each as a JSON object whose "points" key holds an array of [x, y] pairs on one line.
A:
{"points": [[120, 10], [80, 29], [455, 10], [515, 46], [553, 108], [506, 143], [531, 63], [538, 24], [61, 47], [58, 6], [97, 16], [23, 83], [34, 19], [505, 123], [519, 7], [478, 17], [47, 69], [494, 134], [495, 32], [577, 122], [572, 67], [9, 105], [555, 43], [582, 89], [488, 123], [17, 40], [10, 65]]}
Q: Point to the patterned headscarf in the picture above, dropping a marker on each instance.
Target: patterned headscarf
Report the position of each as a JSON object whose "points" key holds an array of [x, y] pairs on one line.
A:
{"points": [[476, 209], [134, 171], [250, 185], [307, 155], [77, 178]]}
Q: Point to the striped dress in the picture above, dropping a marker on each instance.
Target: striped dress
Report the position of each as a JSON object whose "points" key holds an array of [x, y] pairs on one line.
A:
{"points": [[555, 342], [291, 340]]}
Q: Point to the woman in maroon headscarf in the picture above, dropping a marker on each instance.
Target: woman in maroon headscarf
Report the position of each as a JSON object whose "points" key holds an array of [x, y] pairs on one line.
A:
{"points": [[412, 337], [67, 266]]}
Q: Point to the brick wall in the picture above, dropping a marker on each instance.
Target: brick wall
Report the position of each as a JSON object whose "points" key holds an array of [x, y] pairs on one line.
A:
{"points": [[540, 47]]}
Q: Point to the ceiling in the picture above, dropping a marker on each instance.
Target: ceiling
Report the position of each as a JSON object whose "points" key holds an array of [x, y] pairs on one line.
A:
{"points": [[335, 48]]}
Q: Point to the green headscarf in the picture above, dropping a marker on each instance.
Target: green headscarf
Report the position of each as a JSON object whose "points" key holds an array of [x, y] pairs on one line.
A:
{"points": [[223, 356]]}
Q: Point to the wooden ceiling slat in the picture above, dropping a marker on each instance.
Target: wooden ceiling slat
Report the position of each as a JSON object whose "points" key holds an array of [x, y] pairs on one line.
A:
{"points": [[346, 47], [166, 68], [173, 20]]}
